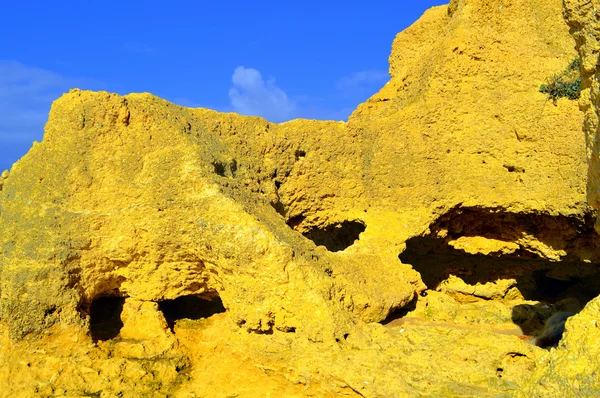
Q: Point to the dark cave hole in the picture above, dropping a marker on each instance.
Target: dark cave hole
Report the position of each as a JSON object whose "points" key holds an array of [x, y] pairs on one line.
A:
{"points": [[219, 168], [105, 318], [436, 261], [50, 311], [335, 237], [295, 222], [299, 154], [553, 290], [400, 312], [551, 283], [537, 279], [559, 287], [190, 307], [225, 169]]}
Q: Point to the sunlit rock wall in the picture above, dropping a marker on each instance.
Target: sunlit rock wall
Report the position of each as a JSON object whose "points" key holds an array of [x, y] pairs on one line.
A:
{"points": [[308, 232]]}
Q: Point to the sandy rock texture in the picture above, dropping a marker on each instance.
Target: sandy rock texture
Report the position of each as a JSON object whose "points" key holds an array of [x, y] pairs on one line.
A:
{"points": [[154, 250], [174, 210], [573, 368], [582, 17]]}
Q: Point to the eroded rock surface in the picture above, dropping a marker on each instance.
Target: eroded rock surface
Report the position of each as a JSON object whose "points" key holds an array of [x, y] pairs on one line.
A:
{"points": [[573, 368], [154, 250]]}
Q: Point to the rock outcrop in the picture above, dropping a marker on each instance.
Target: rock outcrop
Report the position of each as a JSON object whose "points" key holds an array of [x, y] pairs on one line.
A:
{"points": [[151, 249], [184, 205], [573, 368]]}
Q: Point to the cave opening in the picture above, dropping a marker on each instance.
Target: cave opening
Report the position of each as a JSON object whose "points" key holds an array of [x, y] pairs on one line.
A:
{"points": [[335, 237], [545, 268], [436, 262], [105, 317], [190, 307], [439, 254]]}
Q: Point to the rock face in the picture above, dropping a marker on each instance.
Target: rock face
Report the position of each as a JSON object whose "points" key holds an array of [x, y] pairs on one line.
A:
{"points": [[582, 17], [184, 205], [573, 368], [148, 248]]}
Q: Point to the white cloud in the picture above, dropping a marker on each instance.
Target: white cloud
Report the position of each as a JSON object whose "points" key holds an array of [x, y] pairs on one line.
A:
{"points": [[362, 79], [26, 94], [251, 95]]}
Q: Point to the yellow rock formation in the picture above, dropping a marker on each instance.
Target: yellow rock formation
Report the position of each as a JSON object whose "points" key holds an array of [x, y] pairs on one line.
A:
{"points": [[573, 368], [154, 250]]}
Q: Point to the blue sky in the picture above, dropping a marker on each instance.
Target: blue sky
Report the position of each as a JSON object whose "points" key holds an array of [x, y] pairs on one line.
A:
{"points": [[279, 60]]}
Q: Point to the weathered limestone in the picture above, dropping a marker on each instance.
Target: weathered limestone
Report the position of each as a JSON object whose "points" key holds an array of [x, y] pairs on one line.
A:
{"points": [[158, 219], [573, 368], [458, 124], [582, 17], [311, 233]]}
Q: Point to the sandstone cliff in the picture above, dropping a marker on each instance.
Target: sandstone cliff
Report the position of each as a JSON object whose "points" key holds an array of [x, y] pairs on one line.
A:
{"points": [[154, 250], [573, 369]]}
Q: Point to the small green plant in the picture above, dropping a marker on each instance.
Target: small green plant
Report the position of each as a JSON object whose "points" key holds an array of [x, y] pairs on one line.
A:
{"points": [[565, 84]]}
